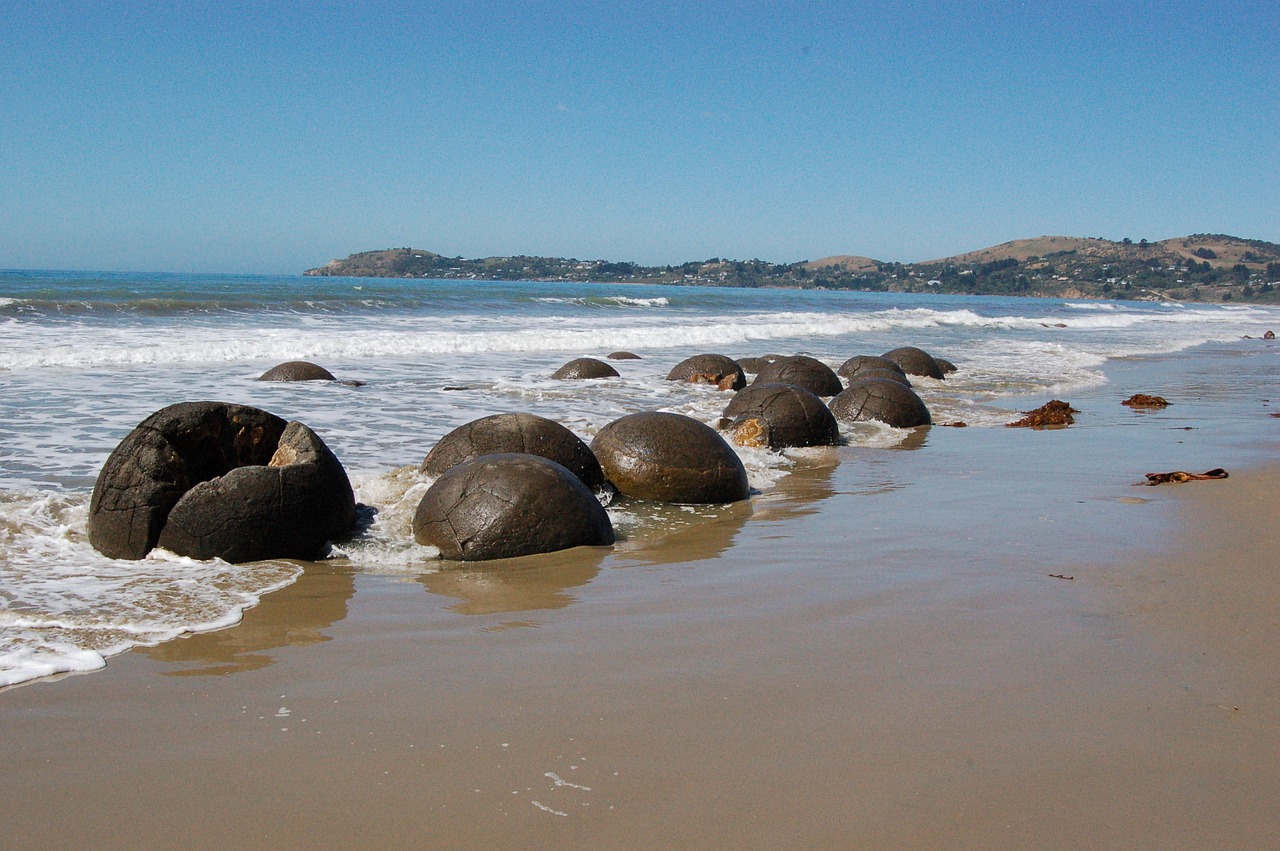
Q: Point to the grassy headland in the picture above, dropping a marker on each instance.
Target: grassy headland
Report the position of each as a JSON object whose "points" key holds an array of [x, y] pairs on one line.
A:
{"points": [[1200, 267]]}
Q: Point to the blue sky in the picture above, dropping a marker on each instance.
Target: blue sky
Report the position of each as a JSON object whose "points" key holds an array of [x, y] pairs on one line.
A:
{"points": [[271, 137]]}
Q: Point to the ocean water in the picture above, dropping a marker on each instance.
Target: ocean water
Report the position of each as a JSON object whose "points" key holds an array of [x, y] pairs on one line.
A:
{"points": [[85, 356]]}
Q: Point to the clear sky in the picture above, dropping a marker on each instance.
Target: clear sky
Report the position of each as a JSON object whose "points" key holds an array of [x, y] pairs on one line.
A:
{"points": [[271, 137]]}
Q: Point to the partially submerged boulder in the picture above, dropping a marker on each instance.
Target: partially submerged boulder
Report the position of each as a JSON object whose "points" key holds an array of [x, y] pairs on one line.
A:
{"points": [[915, 362], [856, 365], [507, 505], [780, 416], [670, 458], [720, 370], [752, 364], [894, 375], [297, 370], [515, 432], [623, 356], [212, 479], [945, 365], [585, 368], [802, 371], [885, 401]]}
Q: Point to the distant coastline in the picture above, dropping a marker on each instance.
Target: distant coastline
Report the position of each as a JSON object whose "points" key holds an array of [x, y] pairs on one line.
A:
{"points": [[1200, 267]]}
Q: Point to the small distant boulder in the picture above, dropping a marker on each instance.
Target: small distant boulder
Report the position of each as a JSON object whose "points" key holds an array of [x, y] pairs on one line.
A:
{"points": [[520, 433], [211, 479], [507, 505], [670, 458], [297, 370], [854, 366], [720, 370], [802, 371], [779, 416], [623, 356], [585, 368], [885, 401], [915, 362]]}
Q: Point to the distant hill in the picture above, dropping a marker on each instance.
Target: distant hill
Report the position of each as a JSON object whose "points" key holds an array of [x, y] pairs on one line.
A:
{"points": [[1200, 267]]}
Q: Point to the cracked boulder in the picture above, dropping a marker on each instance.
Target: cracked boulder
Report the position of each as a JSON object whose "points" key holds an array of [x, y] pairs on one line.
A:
{"points": [[516, 432], [668, 457], [885, 401], [506, 505], [803, 371], [585, 368], [217, 480], [779, 416], [853, 368], [720, 370]]}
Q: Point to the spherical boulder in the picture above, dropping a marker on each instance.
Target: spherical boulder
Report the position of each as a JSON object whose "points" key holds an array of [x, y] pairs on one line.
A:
{"points": [[752, 365], [211, 479], [528, 434], [668, 457], [623, 356], [915, 361], [803, 371], [858, 363], [585, 368], [720, 370], [297, 370], [885, 401], [781, 415], [506, 505]]}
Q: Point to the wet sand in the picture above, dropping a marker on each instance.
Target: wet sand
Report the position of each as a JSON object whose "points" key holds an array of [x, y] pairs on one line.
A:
{"points": [[752, 681]]}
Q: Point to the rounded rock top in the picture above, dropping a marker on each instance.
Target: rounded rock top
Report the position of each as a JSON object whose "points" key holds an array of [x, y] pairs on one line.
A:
{"points": [[885, 401], [297, 370], [720, 370], [585, 368], [781, 416], [803, 371], [915, 362], [518, 432]]}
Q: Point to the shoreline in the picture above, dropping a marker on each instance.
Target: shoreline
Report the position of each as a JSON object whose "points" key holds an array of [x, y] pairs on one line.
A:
{"points": [[745, 682]]}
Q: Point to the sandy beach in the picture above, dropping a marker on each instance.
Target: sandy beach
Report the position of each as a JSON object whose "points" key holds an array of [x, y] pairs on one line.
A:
{"points": [[744, 682]]}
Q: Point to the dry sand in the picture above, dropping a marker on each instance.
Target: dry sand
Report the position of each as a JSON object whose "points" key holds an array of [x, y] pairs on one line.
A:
{"points": [[745, 684]]}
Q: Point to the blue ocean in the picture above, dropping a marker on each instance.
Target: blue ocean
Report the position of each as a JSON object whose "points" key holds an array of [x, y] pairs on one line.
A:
{"points": [[85, 356]]}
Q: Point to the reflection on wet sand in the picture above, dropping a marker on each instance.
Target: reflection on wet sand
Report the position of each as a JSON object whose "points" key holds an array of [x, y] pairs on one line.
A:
{"points": [[802, 490], [293, 616], [667, 534], [915, 439], [524, 584]]}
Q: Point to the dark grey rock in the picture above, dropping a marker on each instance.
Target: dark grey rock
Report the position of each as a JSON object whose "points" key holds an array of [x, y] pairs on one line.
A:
{"points": [[802, 371], [886, 401], [782, 415], [518, 432], [853, 366], [507, 505], [585, 368], [915, 361], [720, 370], [883, 374], [623, 356], [752, 365], [670, 458], [946, 366], [178, 448], [297, 370]]}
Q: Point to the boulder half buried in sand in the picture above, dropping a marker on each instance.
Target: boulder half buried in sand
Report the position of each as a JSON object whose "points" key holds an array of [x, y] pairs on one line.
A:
{"points": [[585, 368], [670, 458], [853, 368], [915, 362], [211, 479], [523, 433], [720, 370], [884, 401], [297, 370], [780, 416], [507, 505]]}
